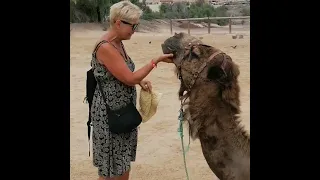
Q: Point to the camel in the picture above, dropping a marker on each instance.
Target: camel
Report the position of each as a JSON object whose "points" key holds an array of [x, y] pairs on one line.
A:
{"points": [[210, 79]]}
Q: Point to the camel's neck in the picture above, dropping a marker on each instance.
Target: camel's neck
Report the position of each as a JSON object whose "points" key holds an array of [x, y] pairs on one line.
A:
{"points": [[211, 116], [223, 117], [224, 143]]}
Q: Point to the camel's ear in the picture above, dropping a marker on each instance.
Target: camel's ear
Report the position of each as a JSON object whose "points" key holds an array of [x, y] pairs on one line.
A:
{"points": [[216, 73], [178, 35], [224, 72], [196, 49], [219, 70]]}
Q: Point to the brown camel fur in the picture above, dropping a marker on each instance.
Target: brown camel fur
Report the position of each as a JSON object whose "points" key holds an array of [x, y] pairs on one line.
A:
{"points": [[213, 106]]}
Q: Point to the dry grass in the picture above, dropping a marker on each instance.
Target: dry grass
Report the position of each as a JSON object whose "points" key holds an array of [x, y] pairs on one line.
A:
{"points": [[159, 153]]}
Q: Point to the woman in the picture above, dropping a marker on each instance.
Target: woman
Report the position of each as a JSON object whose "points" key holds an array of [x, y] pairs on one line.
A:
{"points": [[113, 153]]}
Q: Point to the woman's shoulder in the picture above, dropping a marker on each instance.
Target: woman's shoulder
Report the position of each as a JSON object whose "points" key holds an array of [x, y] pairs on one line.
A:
{"points": [[100, 44]]}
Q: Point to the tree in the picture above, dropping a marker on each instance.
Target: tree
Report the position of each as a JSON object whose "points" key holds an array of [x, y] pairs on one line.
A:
{"points": [[200, 2]]}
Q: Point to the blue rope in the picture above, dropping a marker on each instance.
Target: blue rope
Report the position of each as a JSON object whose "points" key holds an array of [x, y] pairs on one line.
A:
{"points": [[180, 130]]}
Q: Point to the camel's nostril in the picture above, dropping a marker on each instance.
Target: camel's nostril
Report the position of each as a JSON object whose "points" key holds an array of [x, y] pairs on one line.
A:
{"points": [[164, 49]]}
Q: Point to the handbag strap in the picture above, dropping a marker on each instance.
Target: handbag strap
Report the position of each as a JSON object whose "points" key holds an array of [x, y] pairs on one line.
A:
{"points": [[104, 97], [99, 84]]}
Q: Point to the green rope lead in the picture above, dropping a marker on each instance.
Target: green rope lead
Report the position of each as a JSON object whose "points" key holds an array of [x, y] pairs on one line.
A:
{"points": [[180, 130]]}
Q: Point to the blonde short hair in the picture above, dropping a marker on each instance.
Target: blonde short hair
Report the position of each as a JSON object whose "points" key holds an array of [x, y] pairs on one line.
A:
{"points": [[124, 10]]}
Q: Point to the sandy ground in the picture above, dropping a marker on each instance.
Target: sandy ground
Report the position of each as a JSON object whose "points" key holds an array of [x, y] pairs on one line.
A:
{"points": [[159, 154]]}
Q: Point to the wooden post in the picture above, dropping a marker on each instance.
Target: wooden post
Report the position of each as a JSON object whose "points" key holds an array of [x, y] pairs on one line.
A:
{"points": [[189, 27], [171, 26], [209, 25], [230, 26]]}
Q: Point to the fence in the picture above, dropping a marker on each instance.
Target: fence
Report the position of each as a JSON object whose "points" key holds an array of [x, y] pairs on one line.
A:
{"points": [[208, 18]]}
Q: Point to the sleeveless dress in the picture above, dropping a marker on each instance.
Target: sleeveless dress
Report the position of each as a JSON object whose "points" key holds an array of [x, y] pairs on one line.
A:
{"points": [[112, 153]]}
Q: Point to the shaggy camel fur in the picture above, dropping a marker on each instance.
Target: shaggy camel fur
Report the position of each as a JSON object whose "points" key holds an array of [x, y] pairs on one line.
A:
{"points": [[211, 80]]}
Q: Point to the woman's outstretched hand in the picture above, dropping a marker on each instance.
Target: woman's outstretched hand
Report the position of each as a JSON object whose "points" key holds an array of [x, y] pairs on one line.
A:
{"points": [[165, 58]]}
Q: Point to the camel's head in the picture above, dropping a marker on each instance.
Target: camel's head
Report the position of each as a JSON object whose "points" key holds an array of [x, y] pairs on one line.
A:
{"points": [[190, 57]]}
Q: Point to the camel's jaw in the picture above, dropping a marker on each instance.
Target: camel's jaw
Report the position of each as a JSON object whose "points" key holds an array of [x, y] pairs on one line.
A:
{"points": [[167, 49], [171, 48]]}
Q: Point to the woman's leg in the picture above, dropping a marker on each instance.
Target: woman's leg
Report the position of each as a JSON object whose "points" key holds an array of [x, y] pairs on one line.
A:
{"points": [[103, 178], [125, 176]]}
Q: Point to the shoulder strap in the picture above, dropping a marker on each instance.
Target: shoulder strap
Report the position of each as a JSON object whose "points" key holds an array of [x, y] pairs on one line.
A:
{"points": [[99, 84], [125, 52], [103, 96], [97, 47]]}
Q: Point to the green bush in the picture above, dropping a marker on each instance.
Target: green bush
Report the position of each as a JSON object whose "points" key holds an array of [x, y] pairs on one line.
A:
{"points": [[245, 11], [90, 10], [98, 10]]}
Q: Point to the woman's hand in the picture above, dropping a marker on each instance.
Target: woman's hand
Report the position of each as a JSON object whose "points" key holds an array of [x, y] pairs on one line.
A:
{"points": [[164, 58], [146, 85]]}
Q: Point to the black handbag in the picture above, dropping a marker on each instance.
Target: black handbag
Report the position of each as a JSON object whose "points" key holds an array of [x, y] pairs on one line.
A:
{"points": [[123, 120]]}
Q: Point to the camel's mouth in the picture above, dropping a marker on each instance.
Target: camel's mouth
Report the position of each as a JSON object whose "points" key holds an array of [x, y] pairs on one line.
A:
{"points": [[165, 49], [168, 50]]}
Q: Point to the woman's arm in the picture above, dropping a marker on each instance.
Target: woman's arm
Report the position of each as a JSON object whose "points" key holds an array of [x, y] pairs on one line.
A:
{"points": [[118, 68]]}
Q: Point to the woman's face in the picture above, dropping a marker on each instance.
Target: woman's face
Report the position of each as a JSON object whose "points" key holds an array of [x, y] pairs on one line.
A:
{"points": [[126, 29]]}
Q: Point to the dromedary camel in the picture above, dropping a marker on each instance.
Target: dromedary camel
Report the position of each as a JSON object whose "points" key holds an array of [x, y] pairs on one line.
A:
{"points": [[210, 78]]}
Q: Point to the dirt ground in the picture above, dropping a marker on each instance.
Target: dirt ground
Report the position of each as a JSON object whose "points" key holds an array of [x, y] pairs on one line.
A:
{"points": [[159, 154]]}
